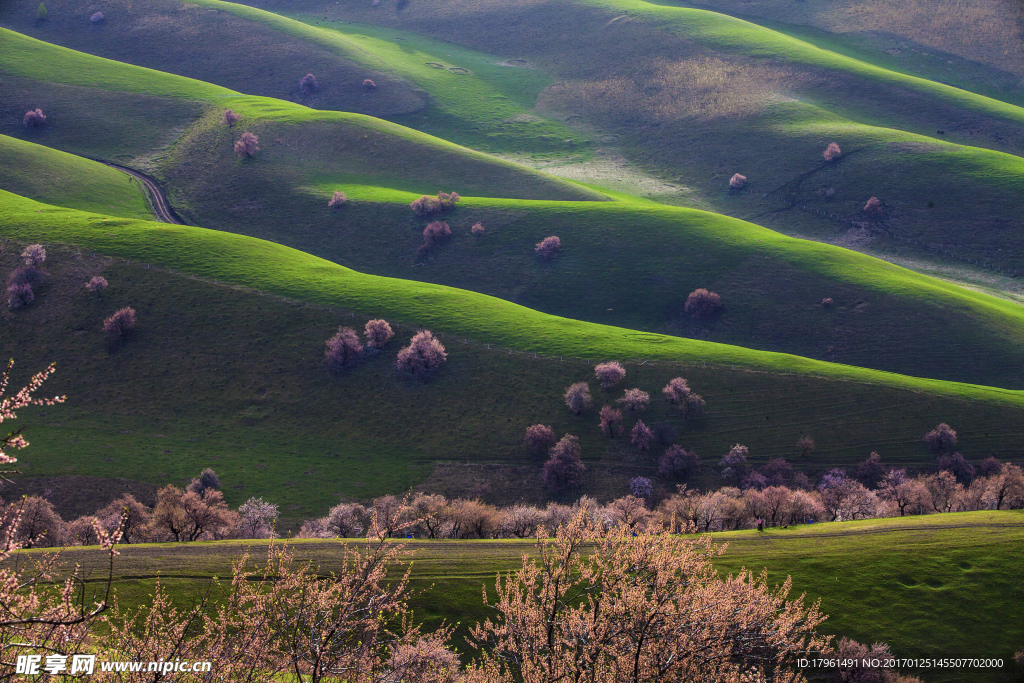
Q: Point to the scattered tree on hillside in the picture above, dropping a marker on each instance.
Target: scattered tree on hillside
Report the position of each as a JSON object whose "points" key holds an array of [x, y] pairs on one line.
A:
{"points": [[20, 296], [548, 247], [642, 436], [308, 85], [871, 471], [678, 392], [635, 400], [34, 118], [427, 205], [539, 438], [435, 232], [611, 421], [477, 229], [941, 440], [96, 283], [247, 145], [189, 516], [805, 445], [832, 152], [652, 609], [378, 333], [777, 472], [342, 349], [120, 324], [989, 466], [564, 469], [337, 199], [960, 468], [874, 207], [737, 181], [827, 302], [577, 397], [641, 487], [369, 85], [34, 255], [26, 275], [206, 482], [40, 525], [230, 118], [734, 463], [676, 461], [41, 12], [609, 374], [423, 355], [702, 304], [96, 18]]}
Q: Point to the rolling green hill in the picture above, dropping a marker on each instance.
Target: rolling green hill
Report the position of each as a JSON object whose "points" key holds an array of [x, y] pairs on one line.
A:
{"points": [[281, 195], [696, 96], [54, 177], [927, 566], [228, 378]]}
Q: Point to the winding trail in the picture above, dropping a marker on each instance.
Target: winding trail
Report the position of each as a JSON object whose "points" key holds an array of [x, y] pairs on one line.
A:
{"points": [[162, 209]]}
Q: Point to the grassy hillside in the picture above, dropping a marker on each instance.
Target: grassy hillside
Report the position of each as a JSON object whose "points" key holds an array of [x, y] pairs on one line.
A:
{"points": [[54, 177], [926, 566], [695, 96], [231, 379]]}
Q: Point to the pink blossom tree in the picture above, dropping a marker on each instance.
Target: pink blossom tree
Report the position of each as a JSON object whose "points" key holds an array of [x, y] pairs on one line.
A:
{"points": [[342, 349], [337, 199], [34, 118], [642, 436], [424, 355], [247, 145], [96, 17], [256, 519], [477, 229], [702, 304], [378, 333], [435, 232], [96, 283], [34, 255], [427, 205], [635, 400], [548, 247], [120, 324], [539, 438], [737, 181], [832, 152], [577, 397], [609, 374], [369, 85], [611, 421], [230, 118], [874, 207]]}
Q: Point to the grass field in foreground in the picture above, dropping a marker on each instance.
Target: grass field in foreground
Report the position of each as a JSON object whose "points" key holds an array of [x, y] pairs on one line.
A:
{"points": [[933, 586]]}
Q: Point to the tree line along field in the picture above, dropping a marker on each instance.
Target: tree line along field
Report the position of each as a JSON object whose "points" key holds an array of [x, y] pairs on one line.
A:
{"points": [[677, 251], [860, 570]]}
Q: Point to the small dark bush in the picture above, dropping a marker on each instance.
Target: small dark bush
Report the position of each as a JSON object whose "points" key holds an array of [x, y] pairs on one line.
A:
{"points": [[369, 85], [678, 462], [941, 440], [33, 119], [564, 469], [874, 207], [539, 437], [97, 284], [702, 304], [548, 247], [435, 232], [20, 295], [120, 324], [308, 85]]}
